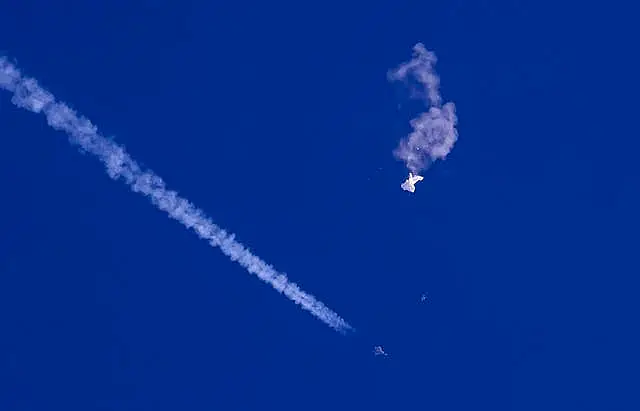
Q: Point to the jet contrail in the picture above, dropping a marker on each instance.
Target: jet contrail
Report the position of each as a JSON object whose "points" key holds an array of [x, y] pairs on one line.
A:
{"points": [[29, 95], [434, 132]]}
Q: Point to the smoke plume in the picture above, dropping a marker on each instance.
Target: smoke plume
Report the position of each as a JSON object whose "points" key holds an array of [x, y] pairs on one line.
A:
{"points": [[434, 131]]}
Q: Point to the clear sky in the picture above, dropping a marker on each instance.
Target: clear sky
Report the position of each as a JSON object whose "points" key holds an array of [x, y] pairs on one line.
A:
{"points": [[278, 121]]}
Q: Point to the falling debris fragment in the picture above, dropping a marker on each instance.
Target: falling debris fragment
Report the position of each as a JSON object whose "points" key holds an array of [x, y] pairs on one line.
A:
{"points": [[410, 183], [377, 350]]}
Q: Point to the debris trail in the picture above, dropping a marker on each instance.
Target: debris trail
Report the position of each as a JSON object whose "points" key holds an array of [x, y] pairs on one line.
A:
{"points": [[434, 131], [29, 95]]}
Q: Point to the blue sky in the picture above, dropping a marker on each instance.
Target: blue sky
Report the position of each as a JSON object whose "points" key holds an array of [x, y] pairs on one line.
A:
{"points": [[278, 121]]}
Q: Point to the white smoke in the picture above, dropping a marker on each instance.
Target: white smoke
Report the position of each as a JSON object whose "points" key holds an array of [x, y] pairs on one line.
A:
{"points": [[434, 132], [29, 95]]}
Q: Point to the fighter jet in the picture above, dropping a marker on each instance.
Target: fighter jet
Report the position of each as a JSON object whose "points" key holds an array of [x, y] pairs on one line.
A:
{"points": [[409, 184], [377, 350]]}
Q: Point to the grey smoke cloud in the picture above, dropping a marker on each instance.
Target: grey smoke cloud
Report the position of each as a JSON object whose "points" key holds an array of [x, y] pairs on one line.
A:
{"points": [[433, 132]]}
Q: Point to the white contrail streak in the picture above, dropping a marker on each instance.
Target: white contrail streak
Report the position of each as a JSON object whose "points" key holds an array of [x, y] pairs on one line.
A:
{"points": [[29, 95]]}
